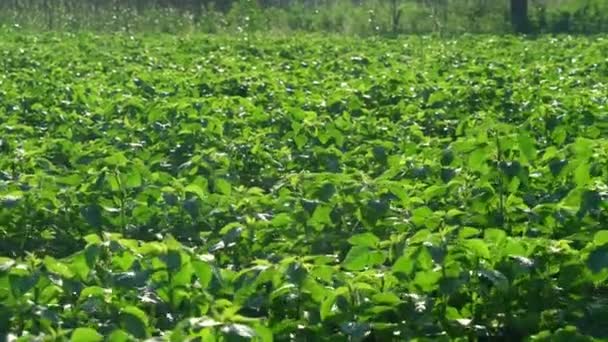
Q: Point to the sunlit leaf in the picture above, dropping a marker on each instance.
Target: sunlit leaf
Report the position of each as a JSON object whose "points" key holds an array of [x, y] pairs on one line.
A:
{"points": [[86, 335]]}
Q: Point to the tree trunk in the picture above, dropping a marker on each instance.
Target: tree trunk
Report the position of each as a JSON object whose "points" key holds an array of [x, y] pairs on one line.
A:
{"points": [[519, 15], [395, 16], [50, 15]]}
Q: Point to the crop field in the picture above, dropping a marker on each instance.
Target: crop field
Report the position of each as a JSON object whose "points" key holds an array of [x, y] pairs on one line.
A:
{"points": [[307, 188]]}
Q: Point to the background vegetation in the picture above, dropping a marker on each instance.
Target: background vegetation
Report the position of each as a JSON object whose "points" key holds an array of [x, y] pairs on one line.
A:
{"points": [[361, 17]]}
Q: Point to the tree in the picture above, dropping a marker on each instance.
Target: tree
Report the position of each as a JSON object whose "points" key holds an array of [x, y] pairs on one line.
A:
{"points": [[519, 15], [395, 15]]}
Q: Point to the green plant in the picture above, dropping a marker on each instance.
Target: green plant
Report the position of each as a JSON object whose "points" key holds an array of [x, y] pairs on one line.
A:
{"points": [[302, 187]]}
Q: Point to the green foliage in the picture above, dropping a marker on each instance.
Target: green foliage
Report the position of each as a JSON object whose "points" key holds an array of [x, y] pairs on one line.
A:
{"points": [[309, 188], [356, 17]]}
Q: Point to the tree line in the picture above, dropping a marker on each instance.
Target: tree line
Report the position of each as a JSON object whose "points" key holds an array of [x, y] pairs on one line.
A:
{"points": [[516, 12]]}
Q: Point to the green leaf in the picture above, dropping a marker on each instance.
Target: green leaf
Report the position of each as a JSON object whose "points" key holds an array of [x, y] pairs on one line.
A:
{"points": [[569, 333], [478, 247], [386, 298], [427, 281], [477, 159], [582, 174], [117, 159], [357, 258], [92, 239], [263, 333], [527, 147], [93, 291], [376, 258], [467, 232], [281, 220], [133, 179], [91, 254], [84, 261], [114, 182], [583, 148], [204, 272], [21, 283], [433, 191], [437, 97], [134, 321], [494, 235], [71, 180], [79, 266], [86, 335], [321, 216], [119, 336], [183, 276], [300, 140], [365, 239], [282, 291], [58, 267], [421, 215], [405, 265], [514, 247], [195, 189], [328, 308], [222, 186], [600, 238]]}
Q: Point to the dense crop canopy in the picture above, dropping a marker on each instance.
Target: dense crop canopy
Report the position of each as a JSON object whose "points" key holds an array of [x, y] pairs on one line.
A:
{"points": [[304, 188]]}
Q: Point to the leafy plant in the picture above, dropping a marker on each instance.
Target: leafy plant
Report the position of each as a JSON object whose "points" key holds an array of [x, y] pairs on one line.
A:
{"points": [[309, 187]]}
